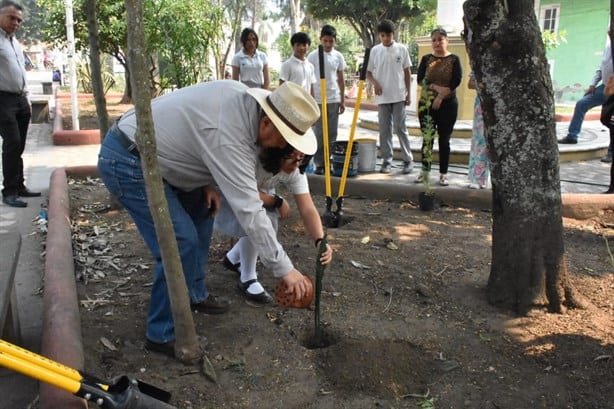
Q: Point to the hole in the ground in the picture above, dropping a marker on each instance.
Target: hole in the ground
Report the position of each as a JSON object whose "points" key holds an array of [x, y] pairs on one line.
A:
{"points": [[335, 219], [323, 339]]}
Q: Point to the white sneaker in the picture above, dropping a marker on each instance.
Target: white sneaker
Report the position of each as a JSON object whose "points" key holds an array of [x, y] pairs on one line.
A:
{"points": [[443, 180], [419, 179], [408, 167], [473, 186]]}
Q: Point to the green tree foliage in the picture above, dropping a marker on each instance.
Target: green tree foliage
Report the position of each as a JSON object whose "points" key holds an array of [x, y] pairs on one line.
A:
{"points": [[30, 31], [364, 15], [112, 33], [181, 33]]}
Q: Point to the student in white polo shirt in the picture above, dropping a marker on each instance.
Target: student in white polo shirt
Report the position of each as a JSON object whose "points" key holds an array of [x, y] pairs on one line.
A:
{"points": [[296, 68]]}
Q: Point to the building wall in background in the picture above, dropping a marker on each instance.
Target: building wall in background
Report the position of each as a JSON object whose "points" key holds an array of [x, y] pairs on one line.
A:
{"points": [[573, 63]]}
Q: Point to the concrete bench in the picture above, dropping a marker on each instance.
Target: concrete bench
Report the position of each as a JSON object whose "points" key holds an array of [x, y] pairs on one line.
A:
{"points": [[10, 245]]}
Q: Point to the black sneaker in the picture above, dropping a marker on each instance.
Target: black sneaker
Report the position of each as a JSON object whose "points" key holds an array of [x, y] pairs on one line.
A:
{"points": [[607, 159], [212, 305], [568, 140]]}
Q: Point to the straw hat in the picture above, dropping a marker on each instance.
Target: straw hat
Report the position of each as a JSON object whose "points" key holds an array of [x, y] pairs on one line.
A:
{"points": [[292, 111]]}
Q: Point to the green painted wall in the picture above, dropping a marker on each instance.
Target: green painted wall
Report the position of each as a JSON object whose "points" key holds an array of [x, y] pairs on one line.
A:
{"points": [[575, 62]]}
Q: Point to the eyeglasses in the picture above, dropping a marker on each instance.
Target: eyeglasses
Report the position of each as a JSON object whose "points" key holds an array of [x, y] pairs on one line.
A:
{"points": [[294, 159]]}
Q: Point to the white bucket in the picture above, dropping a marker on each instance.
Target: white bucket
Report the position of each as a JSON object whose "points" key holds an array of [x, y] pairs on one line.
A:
{"points": [[367, 156]]}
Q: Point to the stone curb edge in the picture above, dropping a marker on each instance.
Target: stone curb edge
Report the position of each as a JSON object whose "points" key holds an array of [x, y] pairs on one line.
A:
{"points": [[574, 205], [61, 334]]}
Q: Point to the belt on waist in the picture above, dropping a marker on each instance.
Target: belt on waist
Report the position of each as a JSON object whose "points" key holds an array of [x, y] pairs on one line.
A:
{"points": [[124, 140], [12, 94]]}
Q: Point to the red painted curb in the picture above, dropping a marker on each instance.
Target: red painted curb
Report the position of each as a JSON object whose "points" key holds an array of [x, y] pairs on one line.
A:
{"points": [[61, 136], [82, 172], [61, 338], [584, 206], [83, 95]]}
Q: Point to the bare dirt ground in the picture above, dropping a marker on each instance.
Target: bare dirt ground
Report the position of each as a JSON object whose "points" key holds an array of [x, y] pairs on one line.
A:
{"points": [[403, 305]]}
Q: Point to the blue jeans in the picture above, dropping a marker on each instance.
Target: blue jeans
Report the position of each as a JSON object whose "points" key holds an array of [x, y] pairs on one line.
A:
{"points": [[582, 106], [389, 116], [121, 172]]}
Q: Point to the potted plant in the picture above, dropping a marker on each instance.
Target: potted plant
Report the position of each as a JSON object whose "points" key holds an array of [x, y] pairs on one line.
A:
{"points": [[426, 198]]}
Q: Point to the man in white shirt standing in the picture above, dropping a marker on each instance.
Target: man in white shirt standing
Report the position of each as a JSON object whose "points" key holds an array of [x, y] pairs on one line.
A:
{"points": [[296, 68], [334, 64], [389, 72], [15, 111]]}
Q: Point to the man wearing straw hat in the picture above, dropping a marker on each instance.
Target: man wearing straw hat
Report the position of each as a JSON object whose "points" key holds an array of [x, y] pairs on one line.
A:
{"points": [[207, 137]]}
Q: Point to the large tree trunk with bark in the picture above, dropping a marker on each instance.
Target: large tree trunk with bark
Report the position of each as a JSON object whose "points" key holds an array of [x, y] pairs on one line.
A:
{"points": [[295, 15], [96, 71], [509, 62], [187, 348]]}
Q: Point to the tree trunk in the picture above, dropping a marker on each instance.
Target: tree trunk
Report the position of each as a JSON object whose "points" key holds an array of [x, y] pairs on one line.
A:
{"points": [[295, 15], [127, 97], [187, 348], [96, 71], [509, 62]]}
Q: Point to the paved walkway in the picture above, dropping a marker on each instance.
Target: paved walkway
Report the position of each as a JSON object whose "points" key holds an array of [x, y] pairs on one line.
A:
{"points": [[42, 157], [590, 176]]}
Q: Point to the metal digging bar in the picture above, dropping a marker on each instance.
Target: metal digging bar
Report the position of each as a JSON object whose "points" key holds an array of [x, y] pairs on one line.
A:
{"points": [[123, 393], [318, 338], [328, 216], [338, 214]]}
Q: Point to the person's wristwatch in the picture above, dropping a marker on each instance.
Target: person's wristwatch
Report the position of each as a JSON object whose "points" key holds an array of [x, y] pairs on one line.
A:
{"points": [[278, 201]]}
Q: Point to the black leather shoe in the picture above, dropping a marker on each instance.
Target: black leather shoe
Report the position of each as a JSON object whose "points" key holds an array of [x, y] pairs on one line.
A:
{"points": [[260, 298], [166, 348], [25, 192], [13, 201], [229, 265], [568, 140], [212, 305]]}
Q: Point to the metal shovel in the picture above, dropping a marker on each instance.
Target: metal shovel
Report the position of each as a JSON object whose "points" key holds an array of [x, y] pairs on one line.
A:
{"points": [[328, 215]]}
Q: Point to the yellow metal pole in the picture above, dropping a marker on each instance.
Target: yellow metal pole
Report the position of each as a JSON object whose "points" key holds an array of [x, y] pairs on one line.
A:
{"points": [[348, 150], [39, 360], [39, 372], [324, 120]]}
